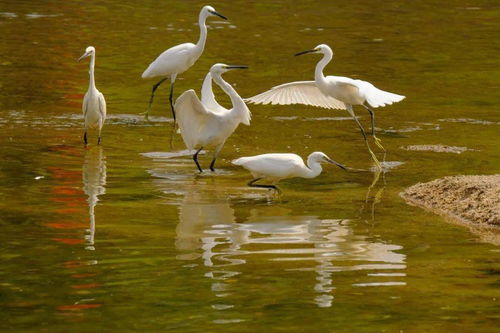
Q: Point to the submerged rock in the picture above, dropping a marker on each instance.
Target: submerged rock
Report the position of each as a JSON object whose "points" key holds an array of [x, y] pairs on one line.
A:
{"points": [[470, 200]]}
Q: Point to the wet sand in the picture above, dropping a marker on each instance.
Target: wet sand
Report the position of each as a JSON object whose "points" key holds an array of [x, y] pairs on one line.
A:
{"points": [[473, 201]]}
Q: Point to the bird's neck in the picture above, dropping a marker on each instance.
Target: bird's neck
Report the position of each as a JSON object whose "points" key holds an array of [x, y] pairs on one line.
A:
{"points": [[228, 89], [313, 168], [200, 45], [239, 106], [91, 73], [318, 74]]}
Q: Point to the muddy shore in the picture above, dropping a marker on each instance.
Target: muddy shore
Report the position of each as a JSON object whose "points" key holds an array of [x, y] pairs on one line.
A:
{"points": [[472, 201]]}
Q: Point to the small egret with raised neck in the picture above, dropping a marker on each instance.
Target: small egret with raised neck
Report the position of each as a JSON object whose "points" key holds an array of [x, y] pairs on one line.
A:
{"points": [[331, 92], [207, 123], [179, 58], [274, 167], [94, 105]]}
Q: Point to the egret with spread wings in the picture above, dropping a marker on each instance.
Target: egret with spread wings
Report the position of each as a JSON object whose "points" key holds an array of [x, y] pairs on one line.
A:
{"points": [[178, 59], [331, 92], [207, 123], [94, 105]]}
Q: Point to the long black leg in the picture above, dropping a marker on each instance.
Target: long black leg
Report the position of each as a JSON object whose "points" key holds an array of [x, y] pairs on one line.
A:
{"points": [[378, 142], [216, 153], [252, 184], [372, 117], [212, 164], [170, 98], [153, 95], [85, 137], [195, 158], [374, 157]]}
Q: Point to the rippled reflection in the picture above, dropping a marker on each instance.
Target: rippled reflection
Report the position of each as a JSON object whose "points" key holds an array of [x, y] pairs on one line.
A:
{"points": [[94, 181], [223, 234]]}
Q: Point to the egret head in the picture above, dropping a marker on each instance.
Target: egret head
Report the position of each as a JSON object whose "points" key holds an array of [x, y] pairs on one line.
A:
{"points": [[210, 11], [222, 68], [88, 52], [321, 48], [323, 158]]}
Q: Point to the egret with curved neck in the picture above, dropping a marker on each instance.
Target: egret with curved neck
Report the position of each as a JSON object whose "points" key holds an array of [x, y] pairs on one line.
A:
{"points": [[331, 92], [94, 104], [178, 59], [275, 167], [207, 123]]}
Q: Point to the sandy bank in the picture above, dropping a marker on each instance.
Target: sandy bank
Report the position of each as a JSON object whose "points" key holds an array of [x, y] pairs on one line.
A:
{"points": [[473, 201]]}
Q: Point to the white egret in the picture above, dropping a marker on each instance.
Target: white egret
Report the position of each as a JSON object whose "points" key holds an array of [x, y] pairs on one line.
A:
{"points": [[179, 58], [274, 167], [331, 92], [206, 122], [94, 105]]}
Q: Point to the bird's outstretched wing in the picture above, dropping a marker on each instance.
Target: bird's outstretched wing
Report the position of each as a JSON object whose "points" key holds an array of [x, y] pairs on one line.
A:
{"points": [[376, 97], [300, 92], [207, 95], [191, 116]]}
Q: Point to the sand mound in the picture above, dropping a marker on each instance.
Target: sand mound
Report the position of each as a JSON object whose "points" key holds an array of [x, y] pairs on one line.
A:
{"points": [[470, 200]]}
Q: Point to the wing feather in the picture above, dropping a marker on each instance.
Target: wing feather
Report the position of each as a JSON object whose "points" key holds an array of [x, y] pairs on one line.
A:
{"points": [[102, 106], [300, 92], [191, 116], [376, 97]]}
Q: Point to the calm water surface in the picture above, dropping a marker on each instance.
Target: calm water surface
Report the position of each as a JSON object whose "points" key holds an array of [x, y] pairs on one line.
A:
{"points": [[128, 237]]}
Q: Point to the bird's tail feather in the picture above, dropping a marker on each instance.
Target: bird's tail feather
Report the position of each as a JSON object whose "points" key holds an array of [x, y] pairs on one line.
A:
{"points": [[239, 161], [383, 98]]}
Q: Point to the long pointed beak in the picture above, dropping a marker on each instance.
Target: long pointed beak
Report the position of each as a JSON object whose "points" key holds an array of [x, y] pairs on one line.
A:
{"points": [[305, 52], [329, 160], [219, 15], [85, 55], [237, 67]]}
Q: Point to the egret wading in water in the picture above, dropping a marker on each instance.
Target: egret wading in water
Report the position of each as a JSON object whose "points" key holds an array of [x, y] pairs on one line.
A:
{"points": [[331, 92], [94, 105], [207, 123], [178, 59], [274, 167]]}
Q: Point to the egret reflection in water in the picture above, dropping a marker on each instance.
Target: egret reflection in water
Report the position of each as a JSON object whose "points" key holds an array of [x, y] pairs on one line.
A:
{"points": [[94, 181], [208, 229]]}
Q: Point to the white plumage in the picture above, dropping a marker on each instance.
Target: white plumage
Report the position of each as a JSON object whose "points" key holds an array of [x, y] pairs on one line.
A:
{"points": [[207, 123], [94, 104], [331, 92], [274, 167], [178, 59]]}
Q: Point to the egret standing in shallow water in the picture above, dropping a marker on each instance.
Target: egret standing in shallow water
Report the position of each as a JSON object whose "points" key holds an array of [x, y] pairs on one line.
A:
{"points": [[274, 167], [331, 92], [178, 59], [206, 122], [94, 105]]}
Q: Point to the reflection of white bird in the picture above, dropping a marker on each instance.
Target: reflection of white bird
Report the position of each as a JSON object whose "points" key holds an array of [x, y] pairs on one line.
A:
{"points": [[274, 167], [94, 181], [179, 58], [205, 122], [331, 92], [94, 105]]}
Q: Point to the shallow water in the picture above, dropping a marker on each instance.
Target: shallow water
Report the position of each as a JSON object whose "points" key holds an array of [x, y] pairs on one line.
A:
{"points": [[128, 237]]}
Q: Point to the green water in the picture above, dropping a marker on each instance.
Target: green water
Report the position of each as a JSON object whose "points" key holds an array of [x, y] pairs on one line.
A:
{"points": [[128, 237]]}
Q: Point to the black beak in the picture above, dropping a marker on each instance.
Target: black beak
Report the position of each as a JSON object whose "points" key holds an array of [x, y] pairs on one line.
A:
{"points": [[219, 15], [305, 52], [236, 67], [329, 160]]}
